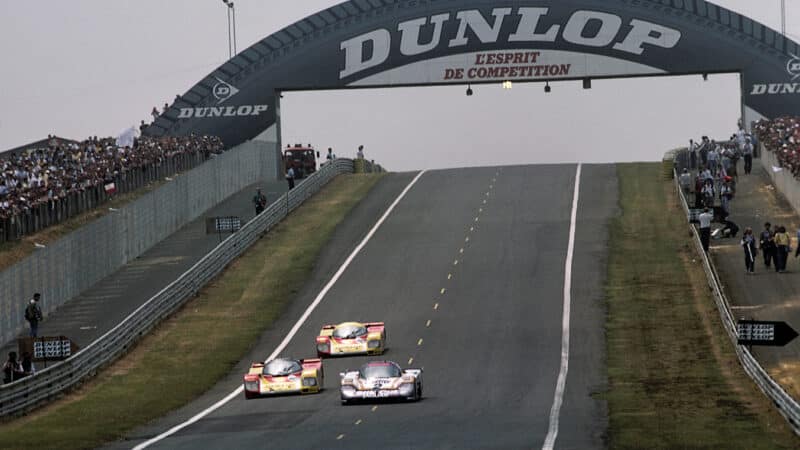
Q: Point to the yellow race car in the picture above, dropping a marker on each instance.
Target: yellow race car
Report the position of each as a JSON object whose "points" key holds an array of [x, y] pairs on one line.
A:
{"points": [[284, 376], [352, 338]]}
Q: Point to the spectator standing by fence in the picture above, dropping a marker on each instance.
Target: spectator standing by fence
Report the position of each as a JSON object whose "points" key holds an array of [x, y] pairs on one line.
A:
{"points": [[782, 242], [703, 151], [726, 195], [708, 193], [27, 364], [290, 178], [692, 154], [767, 243], [33, 314], [685, 181], [747, 151], [260, 201], [12, 370], [705, 228], [360, 153], [748, 242]]}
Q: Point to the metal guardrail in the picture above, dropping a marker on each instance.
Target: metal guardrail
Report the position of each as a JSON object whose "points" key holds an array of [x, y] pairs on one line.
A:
{"points": [[27, 393], [786, 405]]}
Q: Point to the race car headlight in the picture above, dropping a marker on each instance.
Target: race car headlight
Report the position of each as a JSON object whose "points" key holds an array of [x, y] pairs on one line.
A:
{"points": [[309, 381], [324, 348], [251, 385], [348, 388], [406, 389], [373, 344]]}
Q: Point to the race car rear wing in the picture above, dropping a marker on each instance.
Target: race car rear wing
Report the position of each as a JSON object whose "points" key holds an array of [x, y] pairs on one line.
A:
{"points": [[373, 327], [311, 363]]}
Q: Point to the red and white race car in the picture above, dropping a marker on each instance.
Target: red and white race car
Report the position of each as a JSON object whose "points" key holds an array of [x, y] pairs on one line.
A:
{"points": [[284, 376], [381, 379], [352, 338]]}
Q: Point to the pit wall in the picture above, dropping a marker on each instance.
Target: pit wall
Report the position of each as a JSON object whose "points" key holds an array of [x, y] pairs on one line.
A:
{"points": [[72, 264]]}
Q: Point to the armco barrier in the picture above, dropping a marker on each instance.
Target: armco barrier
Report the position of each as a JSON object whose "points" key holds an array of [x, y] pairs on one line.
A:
{"points": [[787, 406], [28, 392]]}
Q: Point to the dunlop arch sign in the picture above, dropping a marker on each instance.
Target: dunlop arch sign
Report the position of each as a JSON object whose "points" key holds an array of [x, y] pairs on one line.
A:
{"points": [[384, 43]]}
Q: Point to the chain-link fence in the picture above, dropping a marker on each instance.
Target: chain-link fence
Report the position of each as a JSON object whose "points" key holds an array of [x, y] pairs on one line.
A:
{"points": [[67, 267]]}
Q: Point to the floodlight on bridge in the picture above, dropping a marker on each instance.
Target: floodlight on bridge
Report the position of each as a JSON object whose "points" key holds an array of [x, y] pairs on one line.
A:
{"points": [[469, 90], [507, 84], [547, 87]]}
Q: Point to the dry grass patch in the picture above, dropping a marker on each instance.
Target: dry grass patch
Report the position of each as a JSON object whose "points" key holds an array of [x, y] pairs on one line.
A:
{"points": [[224, 321], [673, 377]]}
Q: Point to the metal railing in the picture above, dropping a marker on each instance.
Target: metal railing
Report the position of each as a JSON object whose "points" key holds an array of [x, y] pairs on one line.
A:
{"points": [[27, 393], [786, 405]]}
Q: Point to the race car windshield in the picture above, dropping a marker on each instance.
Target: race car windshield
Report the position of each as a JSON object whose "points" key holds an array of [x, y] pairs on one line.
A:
{"points": [[280, 368], [349, 332], [387, 371]]}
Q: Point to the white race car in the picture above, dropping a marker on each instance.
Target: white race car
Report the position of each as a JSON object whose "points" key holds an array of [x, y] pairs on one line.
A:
{"points": [[381, 379]]}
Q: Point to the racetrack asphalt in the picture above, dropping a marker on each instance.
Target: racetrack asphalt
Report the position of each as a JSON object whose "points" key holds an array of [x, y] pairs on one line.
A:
{"points": [[479, 253]]}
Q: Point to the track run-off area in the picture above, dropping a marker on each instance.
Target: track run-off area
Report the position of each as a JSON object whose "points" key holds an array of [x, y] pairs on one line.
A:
{"points": [[470, 270]]}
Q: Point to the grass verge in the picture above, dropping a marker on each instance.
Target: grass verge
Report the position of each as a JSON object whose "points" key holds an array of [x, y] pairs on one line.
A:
{"points": [[151, 380], [674, 381]]}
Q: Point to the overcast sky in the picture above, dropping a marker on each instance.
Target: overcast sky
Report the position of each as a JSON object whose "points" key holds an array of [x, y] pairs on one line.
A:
{"points": [[94, 67]]}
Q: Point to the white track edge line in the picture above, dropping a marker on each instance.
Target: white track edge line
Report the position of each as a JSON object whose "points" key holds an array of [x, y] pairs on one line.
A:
{"points": [[296, 326], [558, 399]]}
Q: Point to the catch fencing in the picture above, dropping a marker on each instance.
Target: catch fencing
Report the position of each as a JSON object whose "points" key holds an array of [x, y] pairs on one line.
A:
{"points": [[74, 263], [29, 392], [786, 405]]}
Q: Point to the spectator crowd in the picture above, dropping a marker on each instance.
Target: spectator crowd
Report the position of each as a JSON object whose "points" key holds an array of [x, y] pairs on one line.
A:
{"points": [[39, 175], [710, 181], [782, 136]]}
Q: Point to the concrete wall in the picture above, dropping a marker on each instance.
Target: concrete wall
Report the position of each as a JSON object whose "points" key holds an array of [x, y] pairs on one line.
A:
{"points": [[784, 181], [74, 263]]}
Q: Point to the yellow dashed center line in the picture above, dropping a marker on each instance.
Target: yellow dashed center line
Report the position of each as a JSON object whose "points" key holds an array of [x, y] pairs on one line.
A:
{"points": [[467, 239], [428, 323], [340, 437], [461, 250], [471, 228], [484, 202], [455, 263], [436, 306], [358, 422], [410, 360], [449, 276], [374, 408], [419, 342], [442, 291], [480, 210], [476, 219]]}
